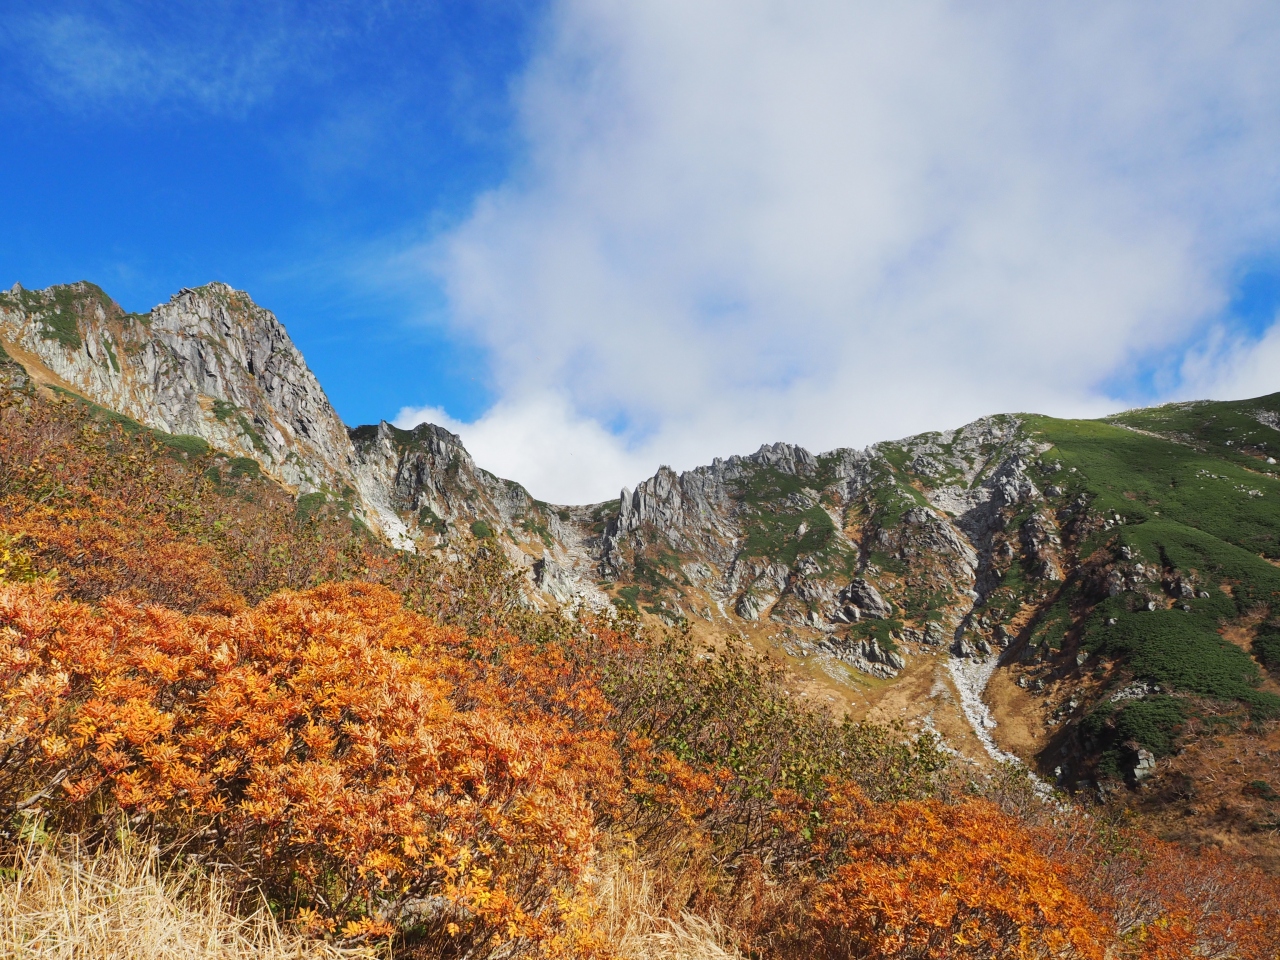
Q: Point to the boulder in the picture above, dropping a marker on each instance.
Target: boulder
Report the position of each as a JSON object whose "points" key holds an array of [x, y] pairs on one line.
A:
{"points": [[1144, 764], [750, 605], [553, 579], [861, 599]]}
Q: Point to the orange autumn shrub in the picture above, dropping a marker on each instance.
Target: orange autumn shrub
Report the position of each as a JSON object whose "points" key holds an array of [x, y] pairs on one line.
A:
{"points": [[1177, 903], [923, 879], [331, 745], [1165, 900], [96, 558], [113, 509]]}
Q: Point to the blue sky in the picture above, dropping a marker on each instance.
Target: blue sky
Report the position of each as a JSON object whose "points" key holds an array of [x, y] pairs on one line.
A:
{"points": [[598, 235], [282, 148]]}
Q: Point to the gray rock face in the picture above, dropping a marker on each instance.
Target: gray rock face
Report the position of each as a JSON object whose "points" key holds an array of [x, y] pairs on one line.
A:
{"points": [[1041, 543], [751, 606], [12, 375], [554, 580], [213, 364], [860, 599], [778, 533], [1144, 764], [427, 468], [1268, 418], [427, 480], [210, 363], [704, 514], [691, 509], [869, 657]]}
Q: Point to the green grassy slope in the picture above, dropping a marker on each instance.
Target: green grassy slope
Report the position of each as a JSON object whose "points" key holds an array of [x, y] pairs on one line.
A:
{"points": [[1186, 492]]}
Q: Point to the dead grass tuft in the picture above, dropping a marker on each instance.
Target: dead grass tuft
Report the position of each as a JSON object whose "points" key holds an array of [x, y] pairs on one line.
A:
{"points": [[636, 927], [118, 906]]}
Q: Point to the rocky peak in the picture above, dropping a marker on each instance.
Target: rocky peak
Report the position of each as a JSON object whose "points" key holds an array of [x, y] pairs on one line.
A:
{"points": [[786, 457], [209, 363]]}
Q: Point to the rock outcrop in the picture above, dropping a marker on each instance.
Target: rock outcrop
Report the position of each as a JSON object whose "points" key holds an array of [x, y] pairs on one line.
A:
{"points": [[209, 363], [212, 364], [860, 599]]}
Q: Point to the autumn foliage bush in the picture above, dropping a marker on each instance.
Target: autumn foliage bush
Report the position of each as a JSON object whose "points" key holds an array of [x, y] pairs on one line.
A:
{"points": [[385, 745], [114, 510], [920, 878], [344, 752]]}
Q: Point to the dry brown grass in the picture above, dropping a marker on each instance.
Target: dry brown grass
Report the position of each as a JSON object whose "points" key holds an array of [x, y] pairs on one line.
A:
{"points": [[116, 906], [636, 927]]}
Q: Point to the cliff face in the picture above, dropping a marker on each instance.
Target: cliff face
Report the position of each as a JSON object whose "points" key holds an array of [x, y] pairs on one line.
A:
{"points": [[858, 549], [209, 363], [427, 479]]}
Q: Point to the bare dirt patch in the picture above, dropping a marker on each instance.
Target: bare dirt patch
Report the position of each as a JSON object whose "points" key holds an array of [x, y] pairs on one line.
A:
{"points": [[922, 697], [1020, 717], [808, 679], [1242, 630]]}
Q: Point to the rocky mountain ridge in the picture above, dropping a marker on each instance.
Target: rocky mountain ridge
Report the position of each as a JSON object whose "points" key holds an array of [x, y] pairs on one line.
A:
{"points": [[212, 364], [1084, 595], [832, 543]]}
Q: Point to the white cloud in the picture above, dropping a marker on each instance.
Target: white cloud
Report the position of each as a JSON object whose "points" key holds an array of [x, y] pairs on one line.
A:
{"points": [[1231, 366], [218, 57], [513, 440], [835, 222]]}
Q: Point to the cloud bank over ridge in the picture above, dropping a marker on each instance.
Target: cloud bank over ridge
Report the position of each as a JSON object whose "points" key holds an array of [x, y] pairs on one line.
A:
{"points": [[833, 223]]}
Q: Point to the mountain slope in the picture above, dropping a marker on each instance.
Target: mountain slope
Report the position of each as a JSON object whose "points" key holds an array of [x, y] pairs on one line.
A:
{"points": [[209, 363], [1098, 598], [1115, 582]]}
